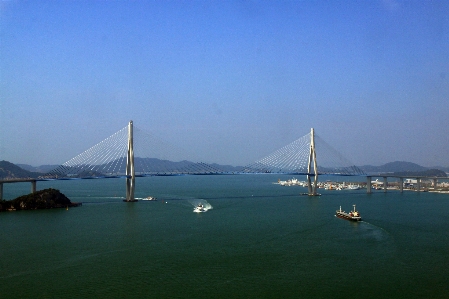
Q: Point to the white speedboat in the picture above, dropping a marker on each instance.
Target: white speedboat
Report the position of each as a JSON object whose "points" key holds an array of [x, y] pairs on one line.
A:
{"points": [[199, 209], [353, 187], [150, 198]]}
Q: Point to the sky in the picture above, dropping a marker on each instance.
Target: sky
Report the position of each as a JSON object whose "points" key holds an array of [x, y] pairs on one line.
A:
{"points": [[232, 81]]}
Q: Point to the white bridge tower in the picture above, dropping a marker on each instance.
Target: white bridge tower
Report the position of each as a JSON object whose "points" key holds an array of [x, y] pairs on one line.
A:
{"points": [[130, 172], [312, 156]]}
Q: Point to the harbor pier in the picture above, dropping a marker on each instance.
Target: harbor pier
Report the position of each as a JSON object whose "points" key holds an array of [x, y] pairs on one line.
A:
{"points": [[413, 182]]}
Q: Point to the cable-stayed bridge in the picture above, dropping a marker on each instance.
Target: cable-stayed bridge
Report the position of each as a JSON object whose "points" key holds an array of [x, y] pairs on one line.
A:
{"points": [[131, 152], [154, 156]]}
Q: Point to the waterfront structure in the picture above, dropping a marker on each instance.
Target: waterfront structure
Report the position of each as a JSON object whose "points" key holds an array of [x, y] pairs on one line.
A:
{"points": [[415, 181]]}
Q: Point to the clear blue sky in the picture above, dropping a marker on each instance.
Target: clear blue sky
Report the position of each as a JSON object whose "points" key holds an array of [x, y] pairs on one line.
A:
{"points": [[230, 80]]}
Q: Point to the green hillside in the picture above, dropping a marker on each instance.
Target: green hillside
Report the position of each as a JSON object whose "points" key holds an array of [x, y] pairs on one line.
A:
{"points": [[9, 170]]}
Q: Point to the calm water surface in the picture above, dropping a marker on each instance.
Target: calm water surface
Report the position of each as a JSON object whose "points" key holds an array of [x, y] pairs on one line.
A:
{"points": [[260, 240]]}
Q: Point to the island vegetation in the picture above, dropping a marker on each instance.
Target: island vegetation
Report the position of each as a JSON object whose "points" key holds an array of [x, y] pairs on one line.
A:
{"points": [[43, 199]]}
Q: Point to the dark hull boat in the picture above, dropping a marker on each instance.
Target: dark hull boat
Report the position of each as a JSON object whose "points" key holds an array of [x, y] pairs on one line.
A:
{"points": [[353, 215]]}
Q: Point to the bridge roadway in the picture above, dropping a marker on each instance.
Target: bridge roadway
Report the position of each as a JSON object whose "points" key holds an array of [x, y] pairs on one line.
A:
{"points": [[34, 181], [369, 178]]}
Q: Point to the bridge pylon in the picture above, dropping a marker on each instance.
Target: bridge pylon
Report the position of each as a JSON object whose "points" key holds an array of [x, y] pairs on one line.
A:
{"points": [[312, 156], [130, 172]]}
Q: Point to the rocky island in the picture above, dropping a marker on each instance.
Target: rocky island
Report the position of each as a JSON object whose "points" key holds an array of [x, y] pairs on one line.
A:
{"points": [[43, 199]]}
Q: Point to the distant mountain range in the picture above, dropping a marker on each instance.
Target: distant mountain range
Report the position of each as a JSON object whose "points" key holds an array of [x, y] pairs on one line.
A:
{"points": [[405, 168], [393, 167], [9, 170], [41, 169]]}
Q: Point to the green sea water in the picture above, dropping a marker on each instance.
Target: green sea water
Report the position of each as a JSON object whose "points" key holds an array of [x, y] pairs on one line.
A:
{"points": [[260, 240]]}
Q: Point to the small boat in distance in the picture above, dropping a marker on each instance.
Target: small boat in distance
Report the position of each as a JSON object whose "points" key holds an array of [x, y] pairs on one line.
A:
{"points": [[353, 187], [199, 209], [353, 215], [149, 198]]}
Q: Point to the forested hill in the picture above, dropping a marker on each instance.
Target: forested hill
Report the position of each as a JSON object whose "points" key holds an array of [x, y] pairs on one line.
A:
{"points": [[397, 166], [404, 169], [427, 173], [9, 170]]}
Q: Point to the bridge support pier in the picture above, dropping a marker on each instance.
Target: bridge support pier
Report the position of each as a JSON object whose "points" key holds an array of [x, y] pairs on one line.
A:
{"points": [[401, 184], [385, 184], [418, 184], [1, 191], [368, 184], [33, 186]]}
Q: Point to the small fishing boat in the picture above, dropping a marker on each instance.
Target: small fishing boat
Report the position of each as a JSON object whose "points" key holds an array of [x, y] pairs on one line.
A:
{"points": [[353, 215]]}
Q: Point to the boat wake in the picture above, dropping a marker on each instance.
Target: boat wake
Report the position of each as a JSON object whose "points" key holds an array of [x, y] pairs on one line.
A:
{"points": [[200, 205], [374, 232]]}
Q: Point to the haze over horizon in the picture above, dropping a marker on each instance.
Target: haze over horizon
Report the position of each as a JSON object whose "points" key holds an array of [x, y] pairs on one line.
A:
{"points": [[369, 165], [232, 81]]}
